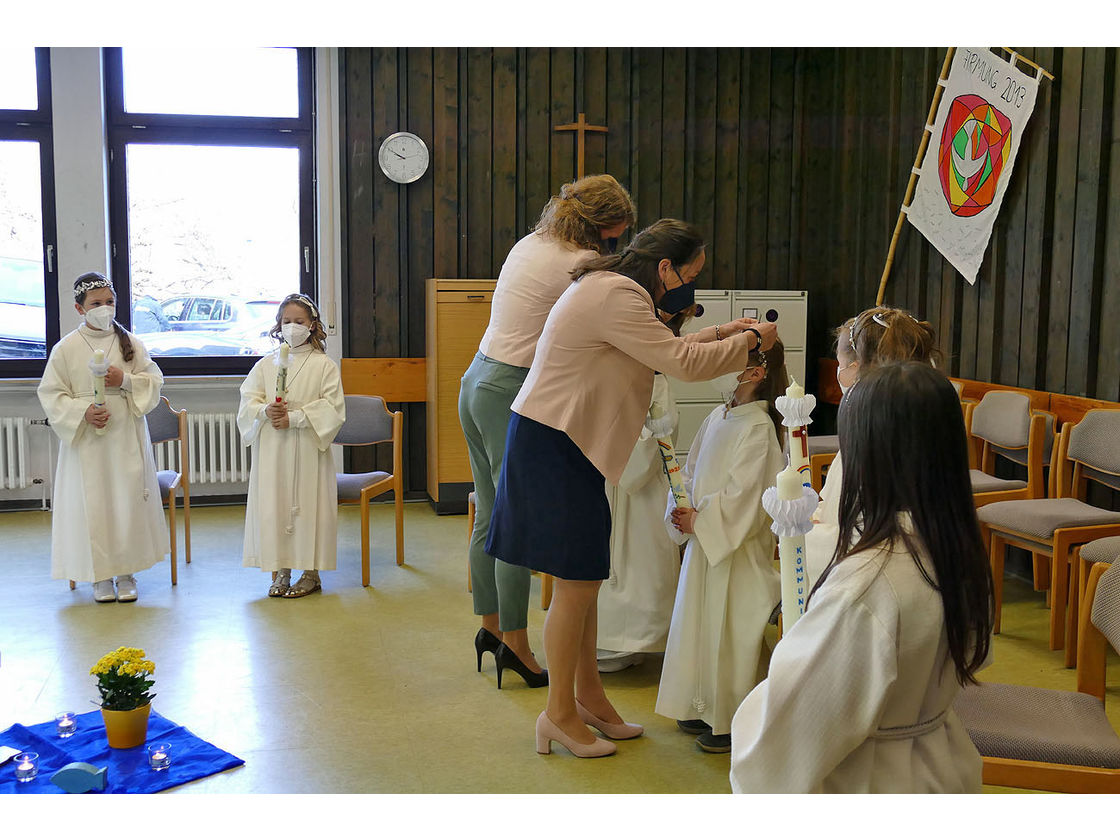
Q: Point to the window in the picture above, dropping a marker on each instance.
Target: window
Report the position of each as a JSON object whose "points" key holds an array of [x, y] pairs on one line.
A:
{"points": [[211, 198], [28, 278]]}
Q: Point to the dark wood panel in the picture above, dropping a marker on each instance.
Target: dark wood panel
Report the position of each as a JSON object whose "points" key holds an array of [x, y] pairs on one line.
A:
{"points": [[779, 169], [755, 127], [445, 164], [1088, 236], [674, 131], [504, 122], [594, 103], [479, 159], [1108, 351], [538, 135], [361, 161], [563, 111], [719, 92], [620, 98], [646, 155]]}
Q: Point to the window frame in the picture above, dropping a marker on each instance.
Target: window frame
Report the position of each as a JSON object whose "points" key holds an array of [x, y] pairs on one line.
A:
{"points": [[125, 128], [37, 126]]}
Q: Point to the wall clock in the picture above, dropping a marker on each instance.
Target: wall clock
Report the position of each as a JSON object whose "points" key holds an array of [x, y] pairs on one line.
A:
{"points": [[403, 157]]}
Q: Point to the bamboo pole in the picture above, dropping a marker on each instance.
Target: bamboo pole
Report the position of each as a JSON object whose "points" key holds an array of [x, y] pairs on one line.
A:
{"points": [[1038, 67], [914, 176]]}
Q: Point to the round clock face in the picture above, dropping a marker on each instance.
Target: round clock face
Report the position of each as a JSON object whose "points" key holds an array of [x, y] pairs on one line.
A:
{"points": [[403, 157]]}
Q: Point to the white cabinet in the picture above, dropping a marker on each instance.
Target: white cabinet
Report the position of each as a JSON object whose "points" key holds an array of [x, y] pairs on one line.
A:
{"points": [[789, 309]]}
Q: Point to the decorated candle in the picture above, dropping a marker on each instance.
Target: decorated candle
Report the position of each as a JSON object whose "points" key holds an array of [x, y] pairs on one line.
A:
{"points": [[796, 407], [669, 462], [282, 372], [98, 364]]}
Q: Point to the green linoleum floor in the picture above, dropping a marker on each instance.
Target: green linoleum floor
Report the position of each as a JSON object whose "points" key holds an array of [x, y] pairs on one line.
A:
{"points": [[375, 688]]}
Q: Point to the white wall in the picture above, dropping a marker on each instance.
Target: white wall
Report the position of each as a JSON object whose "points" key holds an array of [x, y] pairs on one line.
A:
{"points": [[81, 193]]}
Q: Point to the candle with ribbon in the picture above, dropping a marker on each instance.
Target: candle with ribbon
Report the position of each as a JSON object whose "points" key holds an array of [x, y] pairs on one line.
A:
{"points": [[796, 407], [99, 367], [282, 372], [791, 505], [660, 424]]}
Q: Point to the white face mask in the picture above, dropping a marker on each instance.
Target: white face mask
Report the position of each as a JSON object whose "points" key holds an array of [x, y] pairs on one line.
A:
{"points": [[726, 385], [295, 334], [100, 317]]}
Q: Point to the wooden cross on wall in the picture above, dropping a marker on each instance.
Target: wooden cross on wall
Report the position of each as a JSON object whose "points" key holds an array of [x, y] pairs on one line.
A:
{"points": [[581, 127]]}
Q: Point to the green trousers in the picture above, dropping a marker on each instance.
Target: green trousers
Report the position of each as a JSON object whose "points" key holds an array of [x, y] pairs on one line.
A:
{"points": [[486, 393]]}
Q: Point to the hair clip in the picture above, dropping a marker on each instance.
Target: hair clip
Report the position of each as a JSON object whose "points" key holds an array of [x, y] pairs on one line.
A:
{"points": [[877, 318]]}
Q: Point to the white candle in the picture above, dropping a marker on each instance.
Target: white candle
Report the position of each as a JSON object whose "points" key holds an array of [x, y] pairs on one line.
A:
{"points": [[791, 555], [66, 724], [99, 385], [669, 461], [282, 373], [797, 437]]}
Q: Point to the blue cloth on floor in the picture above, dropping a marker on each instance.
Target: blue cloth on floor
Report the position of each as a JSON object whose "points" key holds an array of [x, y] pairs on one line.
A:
{"points": [[191, 757]]}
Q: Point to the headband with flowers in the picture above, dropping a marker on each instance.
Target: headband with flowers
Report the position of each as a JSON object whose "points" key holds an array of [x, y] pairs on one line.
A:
{"points": [[95, 282]]}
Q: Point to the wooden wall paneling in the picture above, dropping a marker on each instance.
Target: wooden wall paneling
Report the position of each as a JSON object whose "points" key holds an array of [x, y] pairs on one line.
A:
{"points": [[1065, 198], [593, 94], [619, 101], [875, 195], [538, 134], [847, 192], [1088, 234], [718, 94], [674, 132], [562, 163], [479, 193], [647, 135], [504, 122], [1108, 350], [1013, 217], [361, 161], [755, 122], [1038, 235], [913, 106], [445, 162], [898, 290], [793, 219]]}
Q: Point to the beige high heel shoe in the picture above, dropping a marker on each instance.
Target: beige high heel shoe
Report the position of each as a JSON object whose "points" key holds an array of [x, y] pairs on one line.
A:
{"points": [[617, 731], [547, 732]]}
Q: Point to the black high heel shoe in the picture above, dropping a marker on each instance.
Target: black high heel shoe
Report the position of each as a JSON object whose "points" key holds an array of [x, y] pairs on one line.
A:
{"points": [[485, 642], [506, 658]]}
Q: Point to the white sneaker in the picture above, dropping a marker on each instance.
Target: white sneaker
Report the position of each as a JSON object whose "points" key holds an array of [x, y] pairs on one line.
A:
{"points": [[103, 591], [126, 588]]}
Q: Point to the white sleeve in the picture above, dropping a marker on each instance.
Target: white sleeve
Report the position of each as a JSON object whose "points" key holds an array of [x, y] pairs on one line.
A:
{"points": [[145, 380], [254, 400], [65, 412]]}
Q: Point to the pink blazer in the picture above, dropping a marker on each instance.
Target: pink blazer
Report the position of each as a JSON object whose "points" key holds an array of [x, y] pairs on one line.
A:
{"points": [[592, 376]]}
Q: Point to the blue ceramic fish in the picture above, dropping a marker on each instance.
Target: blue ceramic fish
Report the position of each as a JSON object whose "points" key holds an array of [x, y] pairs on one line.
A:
{"points": [[79, 777]]}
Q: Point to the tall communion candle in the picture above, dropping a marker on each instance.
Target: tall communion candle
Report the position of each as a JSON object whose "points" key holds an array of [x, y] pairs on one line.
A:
{"points": [[798, 436], [99, 384], [282, 373], [791, 555], [669, 460]]}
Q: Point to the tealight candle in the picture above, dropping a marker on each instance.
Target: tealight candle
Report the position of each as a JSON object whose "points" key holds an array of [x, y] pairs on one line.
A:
{"points": [[159, 756], [67, 724], [27, 766]]}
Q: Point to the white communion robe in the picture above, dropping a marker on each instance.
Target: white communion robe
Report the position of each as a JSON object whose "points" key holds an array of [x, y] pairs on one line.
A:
{"points": [[729, 584], [636, 600], [859, 696], [107, 517], [291, 512], [820, 542]]}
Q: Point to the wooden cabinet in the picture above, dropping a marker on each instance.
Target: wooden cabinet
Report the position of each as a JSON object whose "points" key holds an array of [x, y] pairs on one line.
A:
{"points": [[458, 312]]}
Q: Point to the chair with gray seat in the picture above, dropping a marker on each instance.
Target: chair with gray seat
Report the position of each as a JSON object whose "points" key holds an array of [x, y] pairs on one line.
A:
{"points": [[1004, 426], [1054, 527], [368, 422], [1046, 739], [1105, 550]]}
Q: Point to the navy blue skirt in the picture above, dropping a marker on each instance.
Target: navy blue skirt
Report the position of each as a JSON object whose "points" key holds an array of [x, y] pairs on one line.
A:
{"points": [[551, 512]]}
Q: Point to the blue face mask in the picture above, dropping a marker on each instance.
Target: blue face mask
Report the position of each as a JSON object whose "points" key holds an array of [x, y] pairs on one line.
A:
{"points": [[676, 299]]}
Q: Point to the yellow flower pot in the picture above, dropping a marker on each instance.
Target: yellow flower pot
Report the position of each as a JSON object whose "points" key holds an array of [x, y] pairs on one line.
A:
{"points": [[126, 729]]}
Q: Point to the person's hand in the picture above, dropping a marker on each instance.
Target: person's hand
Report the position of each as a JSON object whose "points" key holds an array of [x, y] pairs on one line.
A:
{"points": [[684, 519], [277, 412], [767, 329], [97, 416], [114, 376]]}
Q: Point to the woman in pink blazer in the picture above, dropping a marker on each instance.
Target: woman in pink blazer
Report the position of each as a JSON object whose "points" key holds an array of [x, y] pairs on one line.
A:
{"points": [[574, 423]]}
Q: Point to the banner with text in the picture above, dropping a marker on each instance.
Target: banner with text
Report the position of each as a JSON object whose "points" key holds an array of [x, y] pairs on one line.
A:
{"points": [[980, 120]]}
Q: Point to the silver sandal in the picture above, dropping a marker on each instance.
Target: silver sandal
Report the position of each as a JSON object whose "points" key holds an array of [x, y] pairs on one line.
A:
{"points": [[304, 586], [280, 586]]}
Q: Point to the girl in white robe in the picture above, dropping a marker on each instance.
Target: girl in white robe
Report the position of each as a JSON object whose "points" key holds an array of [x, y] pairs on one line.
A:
{"points": [[636, 601], [107, 521], [859, 695], [875, 336], [291, 513], [729, 584]]}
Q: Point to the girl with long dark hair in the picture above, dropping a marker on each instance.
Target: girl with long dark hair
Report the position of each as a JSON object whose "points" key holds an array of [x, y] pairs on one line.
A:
{"points": [[860, 691]]}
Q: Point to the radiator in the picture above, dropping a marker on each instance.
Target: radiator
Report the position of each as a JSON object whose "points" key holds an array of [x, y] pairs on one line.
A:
{"points": [[15, 453], [215, 450]]}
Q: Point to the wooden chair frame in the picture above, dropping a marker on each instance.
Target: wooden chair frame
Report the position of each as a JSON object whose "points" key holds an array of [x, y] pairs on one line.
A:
{"points": [[1063, 585], [394, 482], [1067, 778]]}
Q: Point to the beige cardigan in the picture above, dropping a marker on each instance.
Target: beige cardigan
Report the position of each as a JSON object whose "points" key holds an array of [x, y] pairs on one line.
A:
{"points": [[592, 376]]}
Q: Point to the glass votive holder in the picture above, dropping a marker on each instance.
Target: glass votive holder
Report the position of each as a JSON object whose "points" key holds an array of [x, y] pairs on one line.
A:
{"points": [[27, 766], [159, 756], [67, 724]]}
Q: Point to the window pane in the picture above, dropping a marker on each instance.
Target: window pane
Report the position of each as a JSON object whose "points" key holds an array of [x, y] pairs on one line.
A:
{"points": [[220, 82], [18, 90], [23, 319], [213, 245]]}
